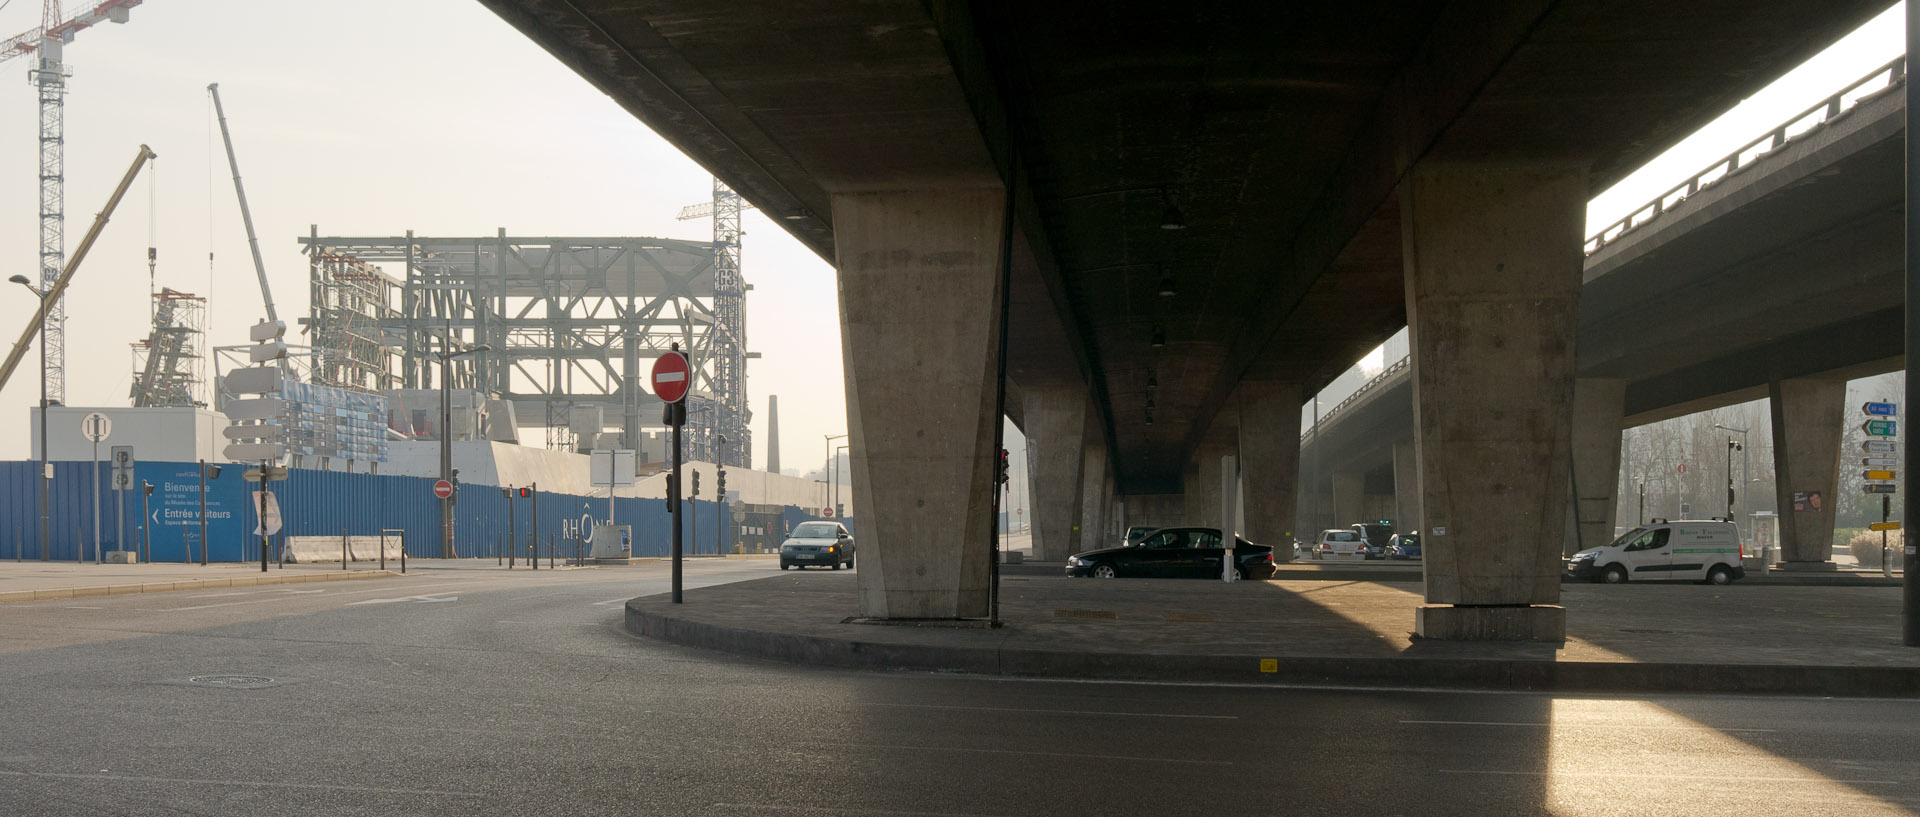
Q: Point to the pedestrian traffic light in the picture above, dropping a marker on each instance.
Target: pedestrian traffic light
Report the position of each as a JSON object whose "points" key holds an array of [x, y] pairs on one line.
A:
{"points": [[526, 492], [1004, 471]]}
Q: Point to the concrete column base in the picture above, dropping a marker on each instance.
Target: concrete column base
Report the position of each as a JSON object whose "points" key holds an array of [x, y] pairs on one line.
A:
{"points": [[1807, 567], [1446, 622]]}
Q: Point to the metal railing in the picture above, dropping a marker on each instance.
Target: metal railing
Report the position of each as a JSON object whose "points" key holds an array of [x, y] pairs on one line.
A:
{"points": [[1384, 375], [1889, 76]]}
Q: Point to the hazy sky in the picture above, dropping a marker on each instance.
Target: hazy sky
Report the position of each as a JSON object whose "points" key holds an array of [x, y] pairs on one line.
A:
{"points": [[379, 116]]}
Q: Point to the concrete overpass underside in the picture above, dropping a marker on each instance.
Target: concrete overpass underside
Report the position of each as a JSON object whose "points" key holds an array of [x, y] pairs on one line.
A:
{"points": [[1335, 168]]}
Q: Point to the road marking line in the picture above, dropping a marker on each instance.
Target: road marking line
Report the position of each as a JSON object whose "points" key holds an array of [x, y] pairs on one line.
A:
{"points": [[1063, 711], [834, 810], [418, 599], [1727, 778], [611, 601], [1586, 725], [335, 594], [79, 607], [1040, 754], [261, 784]]}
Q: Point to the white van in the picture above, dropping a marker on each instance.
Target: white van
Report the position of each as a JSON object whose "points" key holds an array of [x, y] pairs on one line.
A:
{"points": [[1702, 551]]}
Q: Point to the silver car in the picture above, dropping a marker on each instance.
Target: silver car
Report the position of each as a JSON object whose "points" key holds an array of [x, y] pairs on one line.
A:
{"points": [[817, 544]]}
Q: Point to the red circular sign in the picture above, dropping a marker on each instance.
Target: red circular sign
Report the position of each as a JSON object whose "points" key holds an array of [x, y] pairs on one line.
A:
{"points": [[1683, 468], [442, 489], [670, 377], [826, 512]]}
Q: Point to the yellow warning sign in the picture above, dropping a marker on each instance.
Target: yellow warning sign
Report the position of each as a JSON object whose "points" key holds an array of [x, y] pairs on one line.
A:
{"points": [[1269, 665], [1884, 526]]}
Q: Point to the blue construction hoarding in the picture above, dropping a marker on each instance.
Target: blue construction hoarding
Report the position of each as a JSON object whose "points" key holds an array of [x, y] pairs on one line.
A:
{"points": [[312, 503]]}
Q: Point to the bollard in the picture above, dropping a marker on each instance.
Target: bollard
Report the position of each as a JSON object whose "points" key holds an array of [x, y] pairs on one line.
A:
{"points": [[343, 550], [550, 550]]}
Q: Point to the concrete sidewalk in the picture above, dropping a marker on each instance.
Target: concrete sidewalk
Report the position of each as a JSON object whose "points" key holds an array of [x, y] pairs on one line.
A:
{"points": [[1822, 640], [34, 581]]}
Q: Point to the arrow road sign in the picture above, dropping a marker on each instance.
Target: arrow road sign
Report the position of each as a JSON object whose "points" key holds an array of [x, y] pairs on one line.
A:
{"points": [[1880, 428], [1874, 461], [1884, 526], [1881, 488], [1877, 474], [1880, 447], [1881, 409]]}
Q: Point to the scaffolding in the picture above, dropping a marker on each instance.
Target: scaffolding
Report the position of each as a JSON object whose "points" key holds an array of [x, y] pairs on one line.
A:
{"points": [[570, 324], [351, 300], [169, 367]]}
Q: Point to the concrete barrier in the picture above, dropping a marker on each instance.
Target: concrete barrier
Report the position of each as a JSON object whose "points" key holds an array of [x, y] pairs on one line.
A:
{"points": [[313, 549]]}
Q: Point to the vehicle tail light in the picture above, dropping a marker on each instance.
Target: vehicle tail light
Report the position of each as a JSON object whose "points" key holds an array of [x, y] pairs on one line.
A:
{"points": [[1266, 557]]}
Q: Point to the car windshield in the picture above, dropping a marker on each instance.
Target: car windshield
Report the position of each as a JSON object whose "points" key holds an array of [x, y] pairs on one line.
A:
{"points": [[1627, 537], [815, 531]]}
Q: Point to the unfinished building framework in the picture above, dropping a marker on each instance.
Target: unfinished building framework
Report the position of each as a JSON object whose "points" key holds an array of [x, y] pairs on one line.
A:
{"points": [[573, 326], [169, 367], [351, 303]]}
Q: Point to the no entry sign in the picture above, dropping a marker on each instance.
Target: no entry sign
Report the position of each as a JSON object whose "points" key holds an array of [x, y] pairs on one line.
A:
{"points": [[671, 375], [442, 489]]}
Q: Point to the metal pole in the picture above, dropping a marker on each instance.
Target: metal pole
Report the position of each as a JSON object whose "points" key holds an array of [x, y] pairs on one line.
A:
{"points": [[46, 461], [146, 527], [96, 505], [673, 492], [264, 465], [203, 514], [513, 532], [533, 530], [120, 522], [446, 442], [1910, 506]]}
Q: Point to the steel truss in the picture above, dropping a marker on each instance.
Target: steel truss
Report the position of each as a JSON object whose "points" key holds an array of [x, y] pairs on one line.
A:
{"points": [[573, 322], [169, 366]]}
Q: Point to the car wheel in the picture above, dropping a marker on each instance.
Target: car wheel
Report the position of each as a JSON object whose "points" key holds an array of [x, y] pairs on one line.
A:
{"points": [[784, 565], [1317, 557], [836, 564], [1104, 572], [1614, 574], [1720, 575]]}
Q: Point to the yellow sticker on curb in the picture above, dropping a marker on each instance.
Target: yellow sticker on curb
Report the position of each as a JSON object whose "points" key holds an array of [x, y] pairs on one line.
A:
{"points": [[1269, 665]]}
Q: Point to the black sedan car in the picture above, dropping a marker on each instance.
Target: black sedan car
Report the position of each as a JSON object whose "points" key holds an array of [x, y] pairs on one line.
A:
{"points": [[1173, 553]]}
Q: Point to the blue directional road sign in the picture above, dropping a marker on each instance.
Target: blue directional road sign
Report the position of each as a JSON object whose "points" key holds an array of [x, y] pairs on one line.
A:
{"points": [[1881, 409]]}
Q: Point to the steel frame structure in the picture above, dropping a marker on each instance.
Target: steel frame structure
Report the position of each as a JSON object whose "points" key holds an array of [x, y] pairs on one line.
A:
{"points": [[351, 303], [571, 322], [169, 366]]}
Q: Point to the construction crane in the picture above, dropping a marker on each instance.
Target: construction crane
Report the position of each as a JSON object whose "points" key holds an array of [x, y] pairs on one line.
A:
{"points": [[246, 215], [729, 348], [49, 74]]}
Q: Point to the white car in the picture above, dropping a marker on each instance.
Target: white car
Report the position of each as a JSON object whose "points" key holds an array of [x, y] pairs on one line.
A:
{"points": [[817, 544], [1703, 551], [1340, 542]]}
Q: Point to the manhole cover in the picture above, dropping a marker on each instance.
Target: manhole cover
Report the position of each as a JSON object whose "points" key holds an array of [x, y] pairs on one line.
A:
{"points": [[231, 681]]}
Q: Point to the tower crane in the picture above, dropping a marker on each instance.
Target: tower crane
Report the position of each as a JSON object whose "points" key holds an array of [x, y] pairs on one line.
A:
{"points": [[49, 74], [729, 347]]}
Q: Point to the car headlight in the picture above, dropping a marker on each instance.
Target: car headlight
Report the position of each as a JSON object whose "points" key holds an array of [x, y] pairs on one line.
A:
{"points": [[1584, 557], [1075, 561]]}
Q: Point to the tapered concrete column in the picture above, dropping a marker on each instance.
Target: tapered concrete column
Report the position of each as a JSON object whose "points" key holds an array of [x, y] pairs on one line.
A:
{"points": [[1599, 410], [1203, 485], [1093, 492], [1057, 425], [919, 300], [1807, 419], [1493, 266], [1349, 497], [1406, 489], [1270, 463]]}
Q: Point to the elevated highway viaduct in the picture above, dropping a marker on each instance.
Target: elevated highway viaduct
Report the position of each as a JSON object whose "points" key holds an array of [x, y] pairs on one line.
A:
{"points": [[1181, 220], [1780, 279]]}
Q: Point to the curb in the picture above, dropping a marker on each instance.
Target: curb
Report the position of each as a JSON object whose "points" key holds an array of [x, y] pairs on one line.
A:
{"points": [[191, 584], [1426, 673]]}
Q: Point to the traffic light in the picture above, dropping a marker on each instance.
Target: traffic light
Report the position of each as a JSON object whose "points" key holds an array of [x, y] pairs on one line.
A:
{"points": [[673, 489], [1004, 471], [526, 492], [696, 484], [720, 485]]}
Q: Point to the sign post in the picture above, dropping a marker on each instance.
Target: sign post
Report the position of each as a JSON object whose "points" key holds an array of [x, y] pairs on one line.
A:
{"points": [[96, 426], [671, 377]]}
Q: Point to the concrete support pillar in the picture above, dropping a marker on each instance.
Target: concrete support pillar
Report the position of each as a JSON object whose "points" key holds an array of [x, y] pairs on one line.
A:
{"points": [[1156, 510], [1599, 410], [1349, 497], [1093, 491], [1406, 489], [1270, 464], [919, 300], [1807, 419], [1057, 426], [1203, 485], [1493, 269]]}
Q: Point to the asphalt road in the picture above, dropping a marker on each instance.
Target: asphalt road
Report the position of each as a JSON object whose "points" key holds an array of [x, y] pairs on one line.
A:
{"points": [[480, 693]]}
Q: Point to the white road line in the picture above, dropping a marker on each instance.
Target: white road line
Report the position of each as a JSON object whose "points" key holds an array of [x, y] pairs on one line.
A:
{"points": [[1726, 778], [1041, 754], [833, 810], [283, 598], [79, 607], [1587, 725], [1063, 711], [611, 601], [258, 784]]}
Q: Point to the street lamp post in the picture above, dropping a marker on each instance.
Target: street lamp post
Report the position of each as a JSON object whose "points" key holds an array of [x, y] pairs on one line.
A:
{"points": [[826, 468], [446, 356], [46, 463], [836, 477]]}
